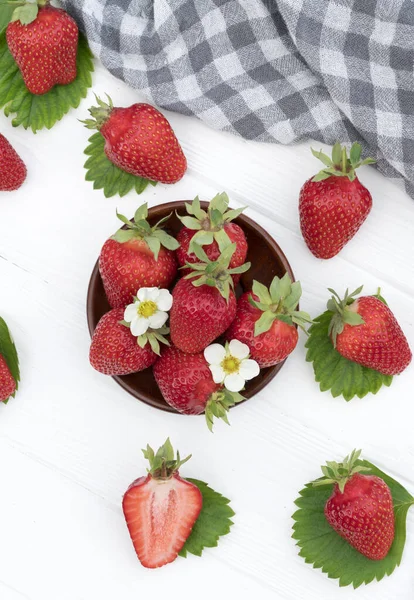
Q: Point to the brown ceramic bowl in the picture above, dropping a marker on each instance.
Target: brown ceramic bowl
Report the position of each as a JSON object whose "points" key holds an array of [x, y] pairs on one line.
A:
{"points": [[267, 261]]}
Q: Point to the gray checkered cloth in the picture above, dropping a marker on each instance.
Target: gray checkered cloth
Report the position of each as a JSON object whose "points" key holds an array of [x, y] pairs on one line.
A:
{"points": [[270, 70]]}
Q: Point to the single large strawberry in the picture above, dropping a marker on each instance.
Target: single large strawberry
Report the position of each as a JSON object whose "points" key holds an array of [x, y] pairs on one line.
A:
{"points": [[213, 229], [139, 140], [365, 331], [334, 204], [114, 350], [7, 381], [43, 41], [12, 169], [186, 383], [361, 508], [266, 319], [161, 508], [204, 303], [135, 257]]}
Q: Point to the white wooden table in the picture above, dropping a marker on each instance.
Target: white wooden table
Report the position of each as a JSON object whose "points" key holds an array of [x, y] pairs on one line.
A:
{"points": [[70, 442]]}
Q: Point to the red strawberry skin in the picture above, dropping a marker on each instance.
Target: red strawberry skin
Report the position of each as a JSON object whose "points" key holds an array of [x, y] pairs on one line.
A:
{"points": [[199, 315], [331, 212], [268, 348], [379, 343], [7, 382], [185, 380], [140, 141], [12, 169], [236, 235], [160, 515], [125, 268], [114, 350], [363, 515], [45, 50]]}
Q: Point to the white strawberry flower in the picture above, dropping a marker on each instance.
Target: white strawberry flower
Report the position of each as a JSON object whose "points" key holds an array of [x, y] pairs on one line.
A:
{"points": [[231, 364], [150, 310]]}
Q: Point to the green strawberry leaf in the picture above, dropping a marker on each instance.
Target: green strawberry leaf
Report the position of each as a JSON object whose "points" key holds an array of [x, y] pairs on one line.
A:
{"points": [[9, 352], [26, 13], [324, 549], [6, 12], [213, 522], [107, 176], [37, 112], [334, 372]]}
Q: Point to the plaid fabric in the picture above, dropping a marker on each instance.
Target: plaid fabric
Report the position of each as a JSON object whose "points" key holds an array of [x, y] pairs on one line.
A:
{"points": [[270, 70]]}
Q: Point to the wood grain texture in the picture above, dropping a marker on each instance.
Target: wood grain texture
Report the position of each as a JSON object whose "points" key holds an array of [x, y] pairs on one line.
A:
{"points": [[70, 441]]}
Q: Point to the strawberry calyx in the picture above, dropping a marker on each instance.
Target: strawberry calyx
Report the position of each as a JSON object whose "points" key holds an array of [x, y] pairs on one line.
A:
{"points": [[340, 165], [26, 12], [341, 473], [209, 225], [163, 463], [343, 313], [215, 273], [155, 237], [278, 303], [219, 404], [153, 337], [100, 114]]}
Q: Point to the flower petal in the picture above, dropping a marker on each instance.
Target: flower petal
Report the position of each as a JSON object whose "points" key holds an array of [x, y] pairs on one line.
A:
{"points": [[234, 382], [165, 300], [249, 368], [214, 354], [142, 294], [238, 349], [139, 326], [217, 373], [153, 294], [158, 319], [130, 312]]}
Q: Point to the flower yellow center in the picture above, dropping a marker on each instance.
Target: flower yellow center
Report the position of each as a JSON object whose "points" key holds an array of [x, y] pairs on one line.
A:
{"points": [[230, 365], [147, 308]]}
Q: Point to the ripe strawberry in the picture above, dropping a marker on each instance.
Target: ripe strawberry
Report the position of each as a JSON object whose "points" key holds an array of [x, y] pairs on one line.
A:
{"points": [[266, 319], [213, 230], [114, 350], [360, 508], [161, 508], [334, 204], [187, 385], [12, 169], [7, 382], [139, 140], [203, 308], [43, 41], [136, 257], [365, 331]]}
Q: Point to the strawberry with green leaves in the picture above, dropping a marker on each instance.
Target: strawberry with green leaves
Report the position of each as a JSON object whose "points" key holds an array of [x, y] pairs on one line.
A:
{"points": [[204, 303], [139, 140], [186, 383], [43, 41], [365, 331], [266, 320], [9, 364], [214, 230], [161, 508], [334, 204], [137, 256], [116, 351], [360, 508]]}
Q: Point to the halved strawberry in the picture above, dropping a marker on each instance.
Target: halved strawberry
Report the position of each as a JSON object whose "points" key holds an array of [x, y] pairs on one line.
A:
{"points": [[161, 508]]}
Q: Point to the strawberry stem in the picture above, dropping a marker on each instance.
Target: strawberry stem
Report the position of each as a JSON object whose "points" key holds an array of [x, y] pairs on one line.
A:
{"points": [[341, 473]]}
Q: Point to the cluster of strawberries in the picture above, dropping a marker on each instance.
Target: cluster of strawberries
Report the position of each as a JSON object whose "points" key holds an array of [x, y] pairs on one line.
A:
{"points": [[194, 372]]}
